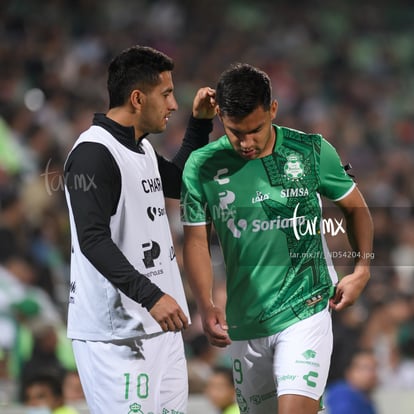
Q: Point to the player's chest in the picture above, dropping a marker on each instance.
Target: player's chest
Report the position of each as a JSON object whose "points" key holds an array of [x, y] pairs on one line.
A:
{"points": [[248, 184]]}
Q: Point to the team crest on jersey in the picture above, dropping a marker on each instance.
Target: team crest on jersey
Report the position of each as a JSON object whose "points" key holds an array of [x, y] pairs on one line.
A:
{"points": [[135, 409], [243, 406], [293, 167]]}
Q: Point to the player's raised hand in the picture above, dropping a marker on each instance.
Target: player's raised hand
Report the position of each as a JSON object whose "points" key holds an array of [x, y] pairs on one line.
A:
{"points": [[204, 104], [215, 327], [169, 315]]}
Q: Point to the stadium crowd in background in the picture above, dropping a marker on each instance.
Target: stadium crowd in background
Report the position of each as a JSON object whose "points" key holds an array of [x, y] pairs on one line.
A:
{"points": [[346, 75]]}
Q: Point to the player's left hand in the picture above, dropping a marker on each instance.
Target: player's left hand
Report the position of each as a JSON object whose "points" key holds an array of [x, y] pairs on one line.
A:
{"points": [[204, 104], [215, 326], [349, 289]]}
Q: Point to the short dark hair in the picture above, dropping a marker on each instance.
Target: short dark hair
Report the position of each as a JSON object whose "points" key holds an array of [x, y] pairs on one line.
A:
{"points": [[352, 355], [50, 379], [241, 89], [137, 67], [227, 372]]}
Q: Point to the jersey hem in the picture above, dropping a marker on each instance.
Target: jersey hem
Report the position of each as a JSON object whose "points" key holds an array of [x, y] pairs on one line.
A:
{"points": [[201, 223], [299, 392], [108, 338], [239, 334]]}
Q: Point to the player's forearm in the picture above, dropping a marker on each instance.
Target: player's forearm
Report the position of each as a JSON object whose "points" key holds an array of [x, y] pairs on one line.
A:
{"points": [[360, 234], [106, 257], [198, 271]]}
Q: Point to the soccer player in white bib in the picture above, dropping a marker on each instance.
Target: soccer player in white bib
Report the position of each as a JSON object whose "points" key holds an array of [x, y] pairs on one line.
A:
{"points": [[127, 306], [260, 186]]}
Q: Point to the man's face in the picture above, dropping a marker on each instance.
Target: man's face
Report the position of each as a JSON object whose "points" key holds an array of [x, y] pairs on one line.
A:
{"points": [[363, 373], [40, 395], [157, 106], [220, 391], [253, 136]]}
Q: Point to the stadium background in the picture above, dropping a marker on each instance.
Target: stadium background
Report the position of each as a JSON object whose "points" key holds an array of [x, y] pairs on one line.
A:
{"points": [[343, 69]]}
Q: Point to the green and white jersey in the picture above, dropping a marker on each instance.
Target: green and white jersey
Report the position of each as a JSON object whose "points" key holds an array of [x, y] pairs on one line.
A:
{"points": [[267, 216]]}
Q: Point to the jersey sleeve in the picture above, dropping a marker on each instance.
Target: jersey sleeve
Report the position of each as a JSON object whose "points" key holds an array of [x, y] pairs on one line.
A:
{"points": [[193, 206], [335, 183]]}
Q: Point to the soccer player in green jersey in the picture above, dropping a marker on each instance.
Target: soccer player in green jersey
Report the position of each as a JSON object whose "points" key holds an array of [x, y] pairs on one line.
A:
{"points": [[260, 186]]}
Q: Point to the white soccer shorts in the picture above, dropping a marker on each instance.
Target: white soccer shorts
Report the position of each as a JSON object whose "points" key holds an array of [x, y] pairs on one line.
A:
{"points": [[134, 376], [294, 361]]}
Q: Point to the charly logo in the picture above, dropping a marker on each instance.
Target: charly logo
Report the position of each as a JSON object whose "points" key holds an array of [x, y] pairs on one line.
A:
{"points": [[151, 185], [152, 251], [308, 376], [218, 177], [294, 167]]}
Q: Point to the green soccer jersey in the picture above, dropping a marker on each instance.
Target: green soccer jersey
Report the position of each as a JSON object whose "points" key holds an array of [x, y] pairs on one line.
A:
{"points": [[267, 216]]}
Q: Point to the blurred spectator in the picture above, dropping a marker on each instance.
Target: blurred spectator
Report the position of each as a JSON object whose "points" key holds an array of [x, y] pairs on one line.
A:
{"points": [[44, 354], [19, 243], [347, 328], [202, 358], [353, 393], [72, 389], [8, 386], [44, 390], [402, 376], [403, 255], [31, 325], [220, 390], [17, 307], [13, 232], [381, 330]]}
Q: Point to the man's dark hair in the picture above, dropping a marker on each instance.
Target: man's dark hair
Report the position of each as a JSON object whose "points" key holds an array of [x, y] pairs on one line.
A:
{"points": [[227, 372], [137, 67], [241, 89], [51, 379]]}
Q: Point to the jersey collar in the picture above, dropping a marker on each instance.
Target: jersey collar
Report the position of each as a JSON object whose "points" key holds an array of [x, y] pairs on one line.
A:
{"points": [[125, 135]]}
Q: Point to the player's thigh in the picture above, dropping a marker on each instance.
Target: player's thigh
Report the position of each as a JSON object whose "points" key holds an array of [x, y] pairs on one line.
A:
{"points": [[174, 385], [129, 375], [289, 403], [253, 376], [302, 357]]}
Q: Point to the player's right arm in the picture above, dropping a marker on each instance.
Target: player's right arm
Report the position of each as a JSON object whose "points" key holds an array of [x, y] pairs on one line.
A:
{"points": [[199, 273]]}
